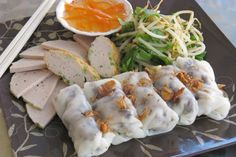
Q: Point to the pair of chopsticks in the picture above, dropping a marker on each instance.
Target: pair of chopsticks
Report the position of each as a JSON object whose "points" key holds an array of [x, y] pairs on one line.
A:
{"points": [[23, 36]]}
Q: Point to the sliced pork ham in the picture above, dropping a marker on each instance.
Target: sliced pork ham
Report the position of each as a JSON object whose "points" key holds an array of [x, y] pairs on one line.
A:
{"points": [[39, 95], [23, 65], [104, 57], [83, 40], [44, 116], [36, 52], [71, 68], [24, 81], [69, 46]]}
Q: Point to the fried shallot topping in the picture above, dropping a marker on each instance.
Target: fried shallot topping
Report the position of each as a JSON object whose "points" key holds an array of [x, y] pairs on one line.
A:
{"points": [[128, 89], [196, 85], [144, 114], [178, 94], [167, 93], [132, 98], [221, 86], [193, 84], [144, 82], [103, 125], [184, 77], [121, 103], [90, 113], [107, 88]]}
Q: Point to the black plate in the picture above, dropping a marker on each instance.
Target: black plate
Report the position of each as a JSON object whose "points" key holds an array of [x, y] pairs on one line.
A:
{"points": [[204, 135]]}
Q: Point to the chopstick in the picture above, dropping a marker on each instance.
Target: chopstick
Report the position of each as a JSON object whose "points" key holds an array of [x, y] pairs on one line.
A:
{"points": [[23, 30], [23, 36]]}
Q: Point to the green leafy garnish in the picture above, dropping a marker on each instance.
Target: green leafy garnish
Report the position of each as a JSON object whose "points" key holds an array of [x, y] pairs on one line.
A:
{"points": [[151, 38], [201, 56]]}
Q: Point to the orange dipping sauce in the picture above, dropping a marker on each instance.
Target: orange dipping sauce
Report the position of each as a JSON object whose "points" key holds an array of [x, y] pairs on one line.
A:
{"points": [[94, 15]]}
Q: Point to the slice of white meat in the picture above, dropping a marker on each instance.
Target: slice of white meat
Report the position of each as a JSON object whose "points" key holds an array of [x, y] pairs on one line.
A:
{"points": [[83, 40], [44, 116], [24, 81], [71, 68], [40, 94], [104, 56], [35, 52], [23, 65], [66, 45]]}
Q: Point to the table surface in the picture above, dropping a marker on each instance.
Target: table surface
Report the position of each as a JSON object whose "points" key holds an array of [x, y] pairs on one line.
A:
{"points": [[222, 12]]}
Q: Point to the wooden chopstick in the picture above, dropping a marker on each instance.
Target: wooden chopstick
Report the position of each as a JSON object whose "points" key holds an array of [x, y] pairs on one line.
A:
{"points": [[23, 36], [23, 30]]}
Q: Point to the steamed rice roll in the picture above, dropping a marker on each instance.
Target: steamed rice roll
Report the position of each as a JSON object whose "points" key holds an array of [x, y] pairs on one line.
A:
{"points": [[201, 70], [108, 99], [211, 99], [174, 92], [74, 110], [152, 110]]}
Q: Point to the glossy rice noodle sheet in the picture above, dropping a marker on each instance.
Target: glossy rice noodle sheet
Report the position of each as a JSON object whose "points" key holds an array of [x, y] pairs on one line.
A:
{"points": [[114, 108], [212, 102], [201, 70], [173, 91], [72, 107], [211, 99], [152, 110]]}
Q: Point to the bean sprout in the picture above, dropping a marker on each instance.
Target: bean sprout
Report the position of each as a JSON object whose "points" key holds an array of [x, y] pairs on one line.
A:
{"points": [[164, 37]]}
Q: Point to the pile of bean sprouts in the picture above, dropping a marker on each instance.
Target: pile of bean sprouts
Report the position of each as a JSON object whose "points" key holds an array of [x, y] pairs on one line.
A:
{"points": [[163, 36]]}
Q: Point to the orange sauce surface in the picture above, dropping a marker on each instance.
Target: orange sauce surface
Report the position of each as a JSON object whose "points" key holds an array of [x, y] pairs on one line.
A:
{"points": [[94, 15]]}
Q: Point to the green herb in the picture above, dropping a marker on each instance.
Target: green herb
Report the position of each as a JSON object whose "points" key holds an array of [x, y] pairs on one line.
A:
{"points": [[201, 56], [151, 38], [143, 13], [127, 26]]}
